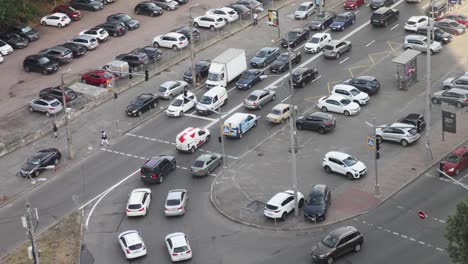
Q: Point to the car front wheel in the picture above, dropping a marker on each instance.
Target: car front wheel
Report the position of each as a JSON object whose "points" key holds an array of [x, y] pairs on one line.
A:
{"points": [[328, 170], [404, 143], [346, 113], [324, 109], [435, 101], [357, 247]]}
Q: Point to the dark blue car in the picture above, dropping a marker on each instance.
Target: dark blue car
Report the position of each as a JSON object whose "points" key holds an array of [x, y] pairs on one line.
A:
{"points": [[249, 78], [343, 21]]}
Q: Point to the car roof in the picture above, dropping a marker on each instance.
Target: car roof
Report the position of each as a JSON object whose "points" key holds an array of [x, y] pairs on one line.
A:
{"points": [[413, 116], [297, 29], [278, 198], [339, 232], [205, 157], [402, 125], [300, 70], [173, 34], [447, 20], [168, 83], [175, 194], [416, 18], [152, 162], [344, 87], [318, 188], [367, 78], [281, 106], [306, 3], [84, 37], [381, 10], [131, 237], [418, 37], [258, 92], [136, 197], [335, 97], [333, 42], [237, 118], [320, 34], [459, 91], [338, 155], [57, 14], [321, 115], [345, 13], [177, 239]]}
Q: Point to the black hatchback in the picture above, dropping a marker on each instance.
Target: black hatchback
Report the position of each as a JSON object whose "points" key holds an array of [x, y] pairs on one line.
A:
{"points": [[317, 203], [339, 242], [56, 93], [148, 8], [155, 169], [25, 31], [127, 20], [39, 63], [414, 119], [115, 29], [15, 40], [77, 50], [59, 54], [302, 76]]}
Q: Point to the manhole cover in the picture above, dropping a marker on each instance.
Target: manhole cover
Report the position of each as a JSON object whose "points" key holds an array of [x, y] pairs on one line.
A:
{"points": [[255, 206]]}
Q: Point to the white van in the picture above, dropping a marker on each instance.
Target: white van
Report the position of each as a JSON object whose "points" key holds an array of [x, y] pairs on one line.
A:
{"points": [[351, 93], [212, 100], [192, 138], [239, 123]]}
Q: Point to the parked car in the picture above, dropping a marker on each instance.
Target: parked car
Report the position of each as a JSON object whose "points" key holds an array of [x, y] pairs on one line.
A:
{"points": [[456, 82], [402, 133], [280, 112], [451, 26], [58, 54], [176, 201], [420, 43], [264, 56], [228, 14], [1, 58], [384, 16], [142, 103], [353, 4], [77, 50], [56, 20], [367, 84], [45, 104], [114, 29], [209, 21], [376, 4], [169, 89], [182, 2], [453, 96], [71, 12], [258, 98], [148, 8], [342, 21], [338, 243], [281, 64], [171, 40], [437, 9], [139, 202], [304, 10], [295, 37], [317, 203], [134, 59], [25, 31], [132, 244], [91, 5], [185, 30], [155, 169], [351, 93], [414, 119], [439, 35], [168, 5], [281, 204], [253, 5], [462, 19], [14, 40], [205, 164], [335, 48], [39, 63], [128, 21], [56, 92], [302, 76], [415, 22], [318, 121], [5, 48], [178, 246], [322, 20], [154, 54], [98, 33], [317, 42], [344, 164], [97, 78], [338, 104], [181, 104], [242, 10], [456, 162], [202, 68], [39, 161], [88, 42], [249, 78]]}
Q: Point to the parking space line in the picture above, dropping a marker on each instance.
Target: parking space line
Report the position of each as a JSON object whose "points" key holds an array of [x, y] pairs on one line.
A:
{"points": [[200, 117], [282, 101], [267, 67], [394, 27], [347, 58], [370, 43], [426, 5]]}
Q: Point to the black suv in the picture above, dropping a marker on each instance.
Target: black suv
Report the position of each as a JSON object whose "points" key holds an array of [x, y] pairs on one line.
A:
{"points": [[339, 242], [367, 84], [318, 121], [155, 169], [201, 71], [384, 16], [439, 35], [128, 21], [25, 32], [302, 76], [114, 28], [295, 37], [134, 59], [142, 103], [14, 40], [56, 93], [77, 50], [39, 63], [154, 54], [316, 206], [414, 119], [439, 9]]}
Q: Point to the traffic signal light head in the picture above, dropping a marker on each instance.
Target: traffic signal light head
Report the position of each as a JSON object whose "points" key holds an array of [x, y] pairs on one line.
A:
{"points": [[146, 75], [377, 144], [130, 70], [419, 125]]}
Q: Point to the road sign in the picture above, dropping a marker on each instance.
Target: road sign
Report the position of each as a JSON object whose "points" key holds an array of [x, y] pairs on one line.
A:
{"points": [[371, 142], [422, 215]]}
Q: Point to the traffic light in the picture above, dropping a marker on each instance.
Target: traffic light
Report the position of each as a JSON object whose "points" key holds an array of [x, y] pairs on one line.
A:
{"points": [[377, 155], [146, 75], [419, 125], [219, 139], [130, 70]]}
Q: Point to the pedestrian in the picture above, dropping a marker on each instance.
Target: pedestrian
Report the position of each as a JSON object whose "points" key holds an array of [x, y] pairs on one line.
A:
{"points": [[104, 138], [255, 19], [55, 129]]}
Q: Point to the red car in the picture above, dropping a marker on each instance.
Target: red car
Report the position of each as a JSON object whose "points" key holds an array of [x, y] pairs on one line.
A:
{"points": [[72, 13], [459, 18], [97, 78], [353, 4], [456, 161]]}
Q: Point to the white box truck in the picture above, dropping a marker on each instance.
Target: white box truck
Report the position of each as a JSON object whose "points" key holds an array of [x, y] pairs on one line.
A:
{"points": [[226, 67]]}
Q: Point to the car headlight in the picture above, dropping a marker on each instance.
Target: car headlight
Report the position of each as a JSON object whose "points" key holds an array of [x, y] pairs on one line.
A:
{"points": [[446, 39], [323, 256], [134, 111], [451, 169]]}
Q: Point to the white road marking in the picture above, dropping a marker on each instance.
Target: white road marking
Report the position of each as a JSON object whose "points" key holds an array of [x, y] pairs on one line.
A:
{"points": [[298, 48], [368, 5], [347, 58], [403, 236], [394, 26], [396, 234], [231, 89], [356, 12], [370, 43], [267, 67], [441, 250], [286, 98], [200, 117], [426, 5]]}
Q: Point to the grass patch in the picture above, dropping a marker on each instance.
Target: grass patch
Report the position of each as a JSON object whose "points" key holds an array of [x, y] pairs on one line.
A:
{"points": [[58, 244]]}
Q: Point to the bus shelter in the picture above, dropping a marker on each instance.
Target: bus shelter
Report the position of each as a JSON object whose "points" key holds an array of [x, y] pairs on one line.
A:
{"points": [[407, 68]]}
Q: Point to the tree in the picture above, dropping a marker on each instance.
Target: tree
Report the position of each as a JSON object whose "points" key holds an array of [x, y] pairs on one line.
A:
{"points": [[457, 234]]}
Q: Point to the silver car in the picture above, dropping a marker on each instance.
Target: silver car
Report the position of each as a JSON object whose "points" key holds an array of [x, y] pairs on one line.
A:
{"points": [[457, 82], [419, 42], [87, 41], [46, 104], [176, 201], [170, 89], [205, 164], [258, 98], [335, 48], [454, 96], [398, 132]]}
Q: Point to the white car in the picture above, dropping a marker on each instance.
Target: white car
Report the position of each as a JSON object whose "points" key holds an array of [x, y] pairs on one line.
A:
{"points": [[192, 138], [48, 105], [132, 244], [1, 58], [5, 48], [404, 134], [87, 41], [176, 201], [304, 10], [171, 40], [56, 20], [352, 93], [98, 33], [209, 21], [317, 42], [180, 105], [280, 205], [139, 202], [229, 14], [415, 22], [338, 104], [178, 246], [344, 164]]}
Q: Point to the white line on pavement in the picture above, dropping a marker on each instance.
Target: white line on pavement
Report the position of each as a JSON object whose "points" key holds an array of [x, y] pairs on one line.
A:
{"points": [[424, 6], [286, 98], [347, 58], [356, 12], [370, 43], [200, 117], [394, 26], [267, 67], [368, 5]]}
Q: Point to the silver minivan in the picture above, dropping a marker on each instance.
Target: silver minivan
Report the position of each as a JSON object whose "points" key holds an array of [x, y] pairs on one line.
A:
{"points": [[419, 42]]}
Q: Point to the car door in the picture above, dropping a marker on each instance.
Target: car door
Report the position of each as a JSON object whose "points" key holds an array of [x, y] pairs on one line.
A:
{"points": [[40, 105], [263, 99], [209, 165], [391, 134], [335, 165], [333, 105], [311, 122], [145, 200], [342, 247], [164, 167], [288, 204], [200, 138]]}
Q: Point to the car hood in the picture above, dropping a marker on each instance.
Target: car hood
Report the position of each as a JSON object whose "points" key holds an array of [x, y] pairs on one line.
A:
{"points": [[439, 93], [311, 45], [257, 60], [28, 167], [316, 23], [314, 210], [359, 166], [131, 22], [337, 24], [448, 81], [132, 108], [173, 108], [362, 96], [436, 45], [244, 81], [300, 13], [277, 64], [321, 249]]}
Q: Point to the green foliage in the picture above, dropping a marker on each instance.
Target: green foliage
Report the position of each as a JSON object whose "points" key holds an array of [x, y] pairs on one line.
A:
{"points": [[12, 11], [457, 234]]}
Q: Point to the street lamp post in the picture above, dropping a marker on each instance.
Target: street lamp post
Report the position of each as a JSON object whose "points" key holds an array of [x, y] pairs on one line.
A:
{"points": [[428, 83], [67, 121], [192, 48]]}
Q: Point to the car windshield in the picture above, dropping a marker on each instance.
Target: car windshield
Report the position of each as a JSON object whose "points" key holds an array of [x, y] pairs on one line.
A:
{"points": [[162, 89], [252, 98], [214, 77], [177, 102], [180, 249], [302, 8], [296, 77], [248, 75], [134, 206], [314, 40], [137, 102], [319, 17], [411, 23], [261, 54], [136, 246], [124, 17], [205, 100], [315, 199], [172, 202], [340, 19], [107, 75], [54, 104], [330, 241], [345, 102], [271, 207], [413, 131], [44, 60], [350, 161], [453, 158], [276, 112], [34, 161], [199, 164], [292, 35], [328, 47], [355, 92], [26, 29], [283, 58]]}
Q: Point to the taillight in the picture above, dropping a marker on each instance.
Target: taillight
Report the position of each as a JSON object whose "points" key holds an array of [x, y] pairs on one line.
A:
{"points": [[127, 250], [174, 254], [180, 43], [327, 123], [277, 211], [154, 176], [466, 100], [141, 209], [180, 208], [254, 103], [188, 251], [128, 210], [51, 108]]}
